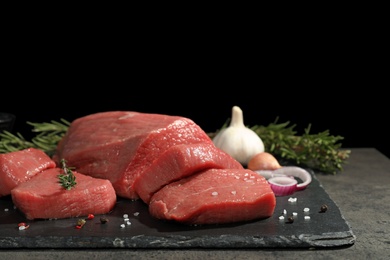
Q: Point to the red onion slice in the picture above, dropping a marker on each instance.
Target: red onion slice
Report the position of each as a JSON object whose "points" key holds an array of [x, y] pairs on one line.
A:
{"points": [[283, 185], [297, 172]]}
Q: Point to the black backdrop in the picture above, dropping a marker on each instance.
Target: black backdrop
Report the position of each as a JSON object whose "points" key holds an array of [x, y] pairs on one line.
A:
{"points": [[332, 81], [360, 117], [328, 73]]}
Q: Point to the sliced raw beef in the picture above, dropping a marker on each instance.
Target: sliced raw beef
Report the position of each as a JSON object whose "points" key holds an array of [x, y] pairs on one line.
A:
{"points": [[215, 196], [42, 197], [181, 161], [120, 145], [19, 166]]}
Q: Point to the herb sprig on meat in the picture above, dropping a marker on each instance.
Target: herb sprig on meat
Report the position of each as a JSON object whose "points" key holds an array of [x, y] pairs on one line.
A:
{"points": [[67, 179]]}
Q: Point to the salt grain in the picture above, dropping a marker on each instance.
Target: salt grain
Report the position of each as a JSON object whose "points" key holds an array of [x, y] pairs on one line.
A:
{"points": [[136, 213], [292, 199], [306, 210], [307, 217], [234, 192], [214, 193]]}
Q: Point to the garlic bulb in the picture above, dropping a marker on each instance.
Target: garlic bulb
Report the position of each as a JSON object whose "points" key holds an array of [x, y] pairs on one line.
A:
{"points": [[241, 142]]}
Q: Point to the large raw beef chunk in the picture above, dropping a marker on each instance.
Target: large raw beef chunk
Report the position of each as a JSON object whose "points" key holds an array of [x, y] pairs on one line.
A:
{"points": [[215, 196], [42, 197], [181, 161], [20, 166], [121, 145]]}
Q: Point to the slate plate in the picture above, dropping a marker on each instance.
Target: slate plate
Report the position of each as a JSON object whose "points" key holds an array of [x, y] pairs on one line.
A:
{"points": [[323, 230]]}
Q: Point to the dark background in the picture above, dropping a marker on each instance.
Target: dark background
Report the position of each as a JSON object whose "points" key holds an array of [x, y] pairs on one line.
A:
{"points": [[328, 75]]}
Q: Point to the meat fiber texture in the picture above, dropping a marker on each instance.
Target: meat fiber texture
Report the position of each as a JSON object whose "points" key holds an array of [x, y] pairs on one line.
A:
{"points": [[42, 197], [121, 145], [20, 166], [215, 196], [181, 161]]}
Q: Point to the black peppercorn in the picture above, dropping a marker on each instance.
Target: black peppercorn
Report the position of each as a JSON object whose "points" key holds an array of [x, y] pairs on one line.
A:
{"points": [[103, 220], [290, 220], [323, 208]]}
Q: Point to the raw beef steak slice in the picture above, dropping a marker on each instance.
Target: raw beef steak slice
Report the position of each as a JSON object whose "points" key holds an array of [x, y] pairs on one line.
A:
{"points": [[181, 161], [19, 166], [215, 196], [42, 197], [120, 145]]}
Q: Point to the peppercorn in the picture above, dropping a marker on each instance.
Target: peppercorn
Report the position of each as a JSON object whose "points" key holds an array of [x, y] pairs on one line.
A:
{"points": [[103, 220], [290, 220], [323, 208]]}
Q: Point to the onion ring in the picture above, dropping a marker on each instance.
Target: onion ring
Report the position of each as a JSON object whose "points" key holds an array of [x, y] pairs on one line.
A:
{"points": [[283, 185], [280, 179]]}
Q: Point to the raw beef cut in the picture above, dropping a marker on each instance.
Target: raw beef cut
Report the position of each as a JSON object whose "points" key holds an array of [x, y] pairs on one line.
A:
{"points": [[19, 166], [121, 145], [215, 196], [181, 161], [42, 197]]}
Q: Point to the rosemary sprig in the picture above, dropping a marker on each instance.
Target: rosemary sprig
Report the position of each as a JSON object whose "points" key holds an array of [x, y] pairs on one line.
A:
{"points": [[11, 143], [320, 151], [66, 179], [47, 138]]}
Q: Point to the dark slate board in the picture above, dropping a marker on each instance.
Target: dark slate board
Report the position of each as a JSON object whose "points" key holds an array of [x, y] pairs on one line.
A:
{"points": [[323, 230]]}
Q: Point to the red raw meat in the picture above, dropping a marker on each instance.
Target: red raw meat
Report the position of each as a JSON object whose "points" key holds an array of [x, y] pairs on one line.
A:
{"points": [[215, 196], [181, 161], [20, 166], [120, 145], [42, 197]]}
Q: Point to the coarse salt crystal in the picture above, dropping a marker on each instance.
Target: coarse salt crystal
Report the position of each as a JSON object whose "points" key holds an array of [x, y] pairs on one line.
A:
{"points": [[214, 193], [6, 209], [123, 226], [234, 192], [295, 214], [307, 217], [306, 209], [281, 217], [125, 215], [136, 213], [292, 199]]}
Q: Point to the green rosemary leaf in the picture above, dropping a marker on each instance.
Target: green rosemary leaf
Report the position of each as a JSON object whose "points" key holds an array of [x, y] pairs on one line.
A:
{"points": [[66, 179]]}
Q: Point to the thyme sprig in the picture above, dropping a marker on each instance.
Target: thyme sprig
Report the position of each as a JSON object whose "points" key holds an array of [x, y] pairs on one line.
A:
{"points": [[66, 179], [47, 137], [320, 151]]}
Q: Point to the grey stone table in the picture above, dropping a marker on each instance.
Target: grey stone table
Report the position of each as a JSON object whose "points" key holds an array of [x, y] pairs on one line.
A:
{"points": [[361, 191]]}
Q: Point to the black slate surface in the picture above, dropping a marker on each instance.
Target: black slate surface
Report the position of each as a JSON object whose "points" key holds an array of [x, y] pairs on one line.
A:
{"points": [[323, 230]]}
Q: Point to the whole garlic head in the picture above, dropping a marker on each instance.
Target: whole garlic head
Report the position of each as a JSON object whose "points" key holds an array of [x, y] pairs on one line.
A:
{"points": [[241, 142]]}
